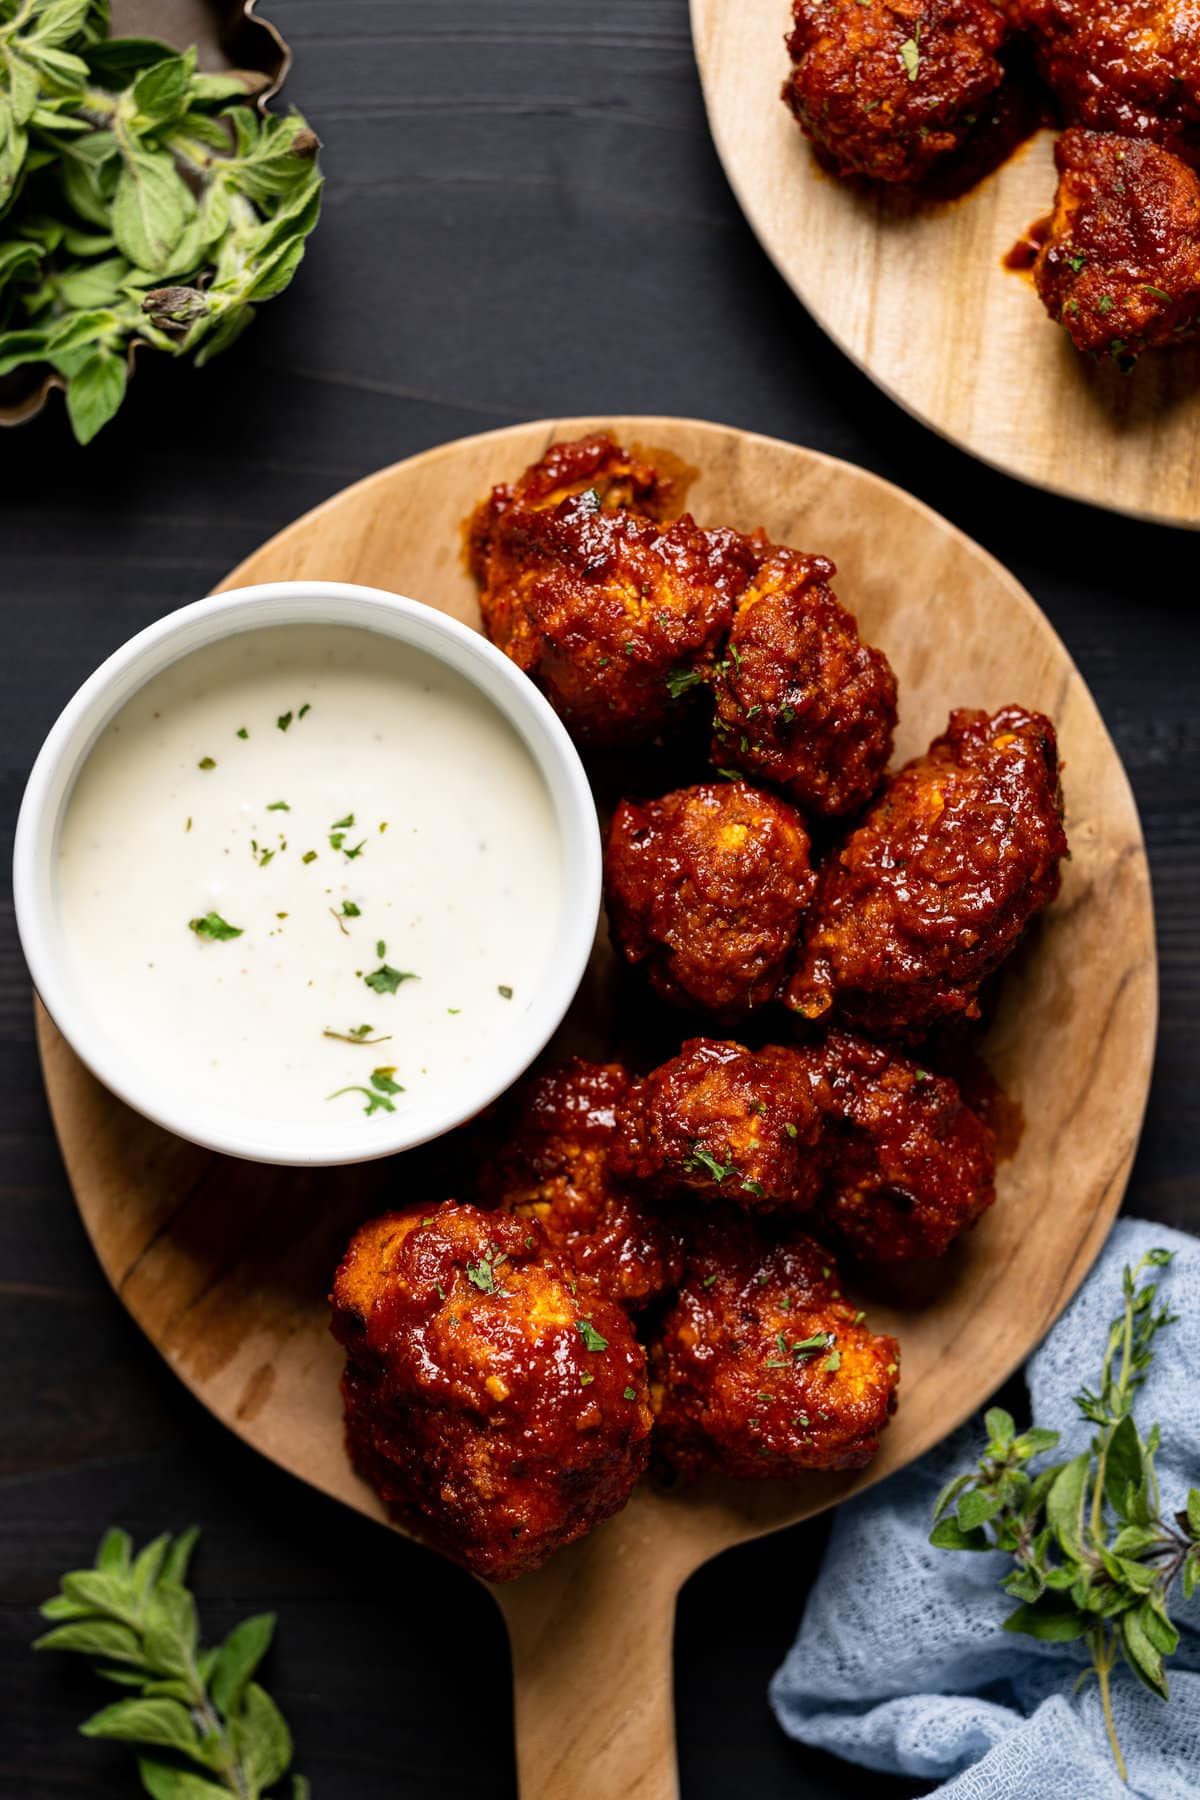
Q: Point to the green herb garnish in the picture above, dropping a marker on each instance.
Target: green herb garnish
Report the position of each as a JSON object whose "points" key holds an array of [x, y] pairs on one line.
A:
{"points": [[701, 1158], [386, 980], [350, 910], [212, 925], [631, 1393], [357, 1034], [141, 200], [279, 806], [1094, 1558], [680, 680], [591, 1337], [483, 1273], [505, 993], [207, 762], [284, 720], [201, 1723]]}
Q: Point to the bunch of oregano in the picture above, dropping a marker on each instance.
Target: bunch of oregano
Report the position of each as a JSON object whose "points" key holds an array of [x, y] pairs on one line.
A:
{"points": [[138, 202], [1094, 1557], [209, 1730]]}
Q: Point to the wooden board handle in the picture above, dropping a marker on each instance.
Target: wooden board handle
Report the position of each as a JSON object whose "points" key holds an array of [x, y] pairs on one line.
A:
{"points": [[592, 1682]]}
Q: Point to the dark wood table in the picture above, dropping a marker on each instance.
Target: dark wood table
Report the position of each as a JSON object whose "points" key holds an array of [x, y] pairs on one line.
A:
{"points": [[525, 216]]}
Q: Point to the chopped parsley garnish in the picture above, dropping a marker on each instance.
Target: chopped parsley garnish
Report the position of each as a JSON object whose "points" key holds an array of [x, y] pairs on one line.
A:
{"points": [[242, 732], [284, 720], [504, 992], [343, 824], [380, 949], [704, 1159], [207, 762], [591, 1337], [586, 1378], [279, 806], [631, 1393], [833, 1362], [1077, 263], [304, 709], [337, 840], [350, 910], [382, 1085], [385, 980], [264, 857], [1105, 303], [309, 856], [357, 1034], [483, 1272], [708, 1281], [753, 1187], [680, 680], [791, 1130], [910, 55], [1156, 291], [212, 925]]}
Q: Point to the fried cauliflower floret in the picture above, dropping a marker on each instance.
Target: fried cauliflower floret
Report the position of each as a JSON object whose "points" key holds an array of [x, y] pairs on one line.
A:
{"points": [[495, 1398], [1127, 66], [801, 702], [554, 1167], [888, 88], [931, 892], [909, 1166], [707, 888], [1120, 268], [761, 1368], [607, 609], [724, 1123]]}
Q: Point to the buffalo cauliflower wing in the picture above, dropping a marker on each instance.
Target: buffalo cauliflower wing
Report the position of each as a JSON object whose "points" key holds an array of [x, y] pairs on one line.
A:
{"points": [[802, 703], [888, 88], [762, 1368], [926, 898], [1120, 268], [707, 888], [495, 1398]]}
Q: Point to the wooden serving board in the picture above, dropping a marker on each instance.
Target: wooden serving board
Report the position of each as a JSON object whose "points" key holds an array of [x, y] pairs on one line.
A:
{"points": [[226, 1265], [914, 292]]}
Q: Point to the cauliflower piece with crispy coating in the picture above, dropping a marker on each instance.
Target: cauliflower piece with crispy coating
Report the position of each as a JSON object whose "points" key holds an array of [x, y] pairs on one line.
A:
{"points": [[888, 88], [707, 888], [762, 1368], [610, 611], [495, 1397], [909, 1166], [724, 1123], [1120, 268], [1126, 66], [802, 703], [930, 893], [553, 1166]]}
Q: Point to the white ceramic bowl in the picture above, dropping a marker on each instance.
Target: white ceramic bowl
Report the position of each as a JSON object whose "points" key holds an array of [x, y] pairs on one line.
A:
{"points": [[148, 1088]]}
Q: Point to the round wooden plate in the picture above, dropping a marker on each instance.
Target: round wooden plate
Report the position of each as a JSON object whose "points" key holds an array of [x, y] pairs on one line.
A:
{"points": [[914, 292], [226, 1265]]}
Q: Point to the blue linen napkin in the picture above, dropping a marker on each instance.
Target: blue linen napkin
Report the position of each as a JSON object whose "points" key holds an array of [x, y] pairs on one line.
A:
{"points": [[901, 1663]]}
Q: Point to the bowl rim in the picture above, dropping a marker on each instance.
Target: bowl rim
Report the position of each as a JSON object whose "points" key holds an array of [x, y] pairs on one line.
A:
{"points": [[214, 619]]}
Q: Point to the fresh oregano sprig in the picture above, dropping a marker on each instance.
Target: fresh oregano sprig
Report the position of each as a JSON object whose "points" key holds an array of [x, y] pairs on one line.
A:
{"points": [[138, 202], [208, 1729], [1094, 1557]]}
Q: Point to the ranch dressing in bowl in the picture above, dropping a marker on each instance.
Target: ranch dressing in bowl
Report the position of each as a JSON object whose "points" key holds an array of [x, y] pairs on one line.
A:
{"points": [[311, 878]]}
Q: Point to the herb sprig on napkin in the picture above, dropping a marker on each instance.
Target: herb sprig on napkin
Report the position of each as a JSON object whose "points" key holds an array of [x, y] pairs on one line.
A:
{"points": [[1094, 1556], [206, 1728], [138, 202]]}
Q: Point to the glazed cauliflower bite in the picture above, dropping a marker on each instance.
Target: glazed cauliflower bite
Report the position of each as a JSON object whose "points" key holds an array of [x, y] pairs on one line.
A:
{"points": [[909, 1166], [888, 88], [1120, 269], [707, 888], [553, 1167], [762, 1368], [802, 703], [1127, 66], [723, 1122], [608, 610], [931, 892], [495, 1398]]}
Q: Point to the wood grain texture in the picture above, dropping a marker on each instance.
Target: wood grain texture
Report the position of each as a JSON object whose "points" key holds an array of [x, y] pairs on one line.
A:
{"points": [[226, 1265], [913, 290]]}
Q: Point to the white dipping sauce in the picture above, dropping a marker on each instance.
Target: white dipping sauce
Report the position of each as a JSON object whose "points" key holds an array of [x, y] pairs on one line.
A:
{"points": [[453, 862]]}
